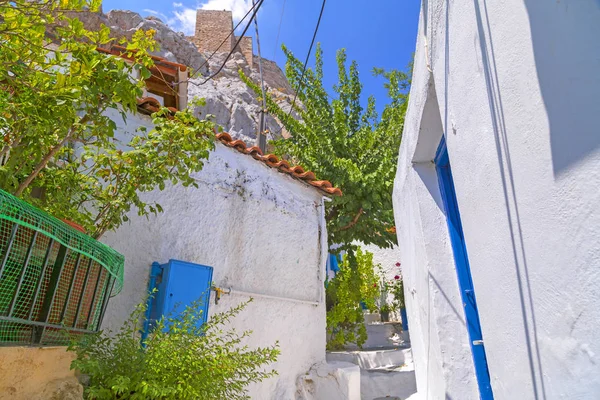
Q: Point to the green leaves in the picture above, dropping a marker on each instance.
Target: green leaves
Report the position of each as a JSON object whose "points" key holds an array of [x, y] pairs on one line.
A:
{"points": [[355, 282], [58, 104], [179, 359], [348, 145]]}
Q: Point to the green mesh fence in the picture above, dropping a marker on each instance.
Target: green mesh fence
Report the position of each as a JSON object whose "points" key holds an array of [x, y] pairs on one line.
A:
{"points": [[54, 280]]}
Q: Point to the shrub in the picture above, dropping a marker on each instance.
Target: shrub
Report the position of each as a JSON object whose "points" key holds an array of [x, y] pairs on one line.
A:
{"points": [[178, 360], [395, 288], [354, 283]]}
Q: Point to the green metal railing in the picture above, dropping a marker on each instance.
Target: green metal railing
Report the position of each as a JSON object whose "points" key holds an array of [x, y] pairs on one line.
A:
{"points": [[55, 281]]}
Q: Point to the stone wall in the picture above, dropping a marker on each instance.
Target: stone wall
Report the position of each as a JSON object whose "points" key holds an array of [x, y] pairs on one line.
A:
{"points": [[212, 27], [245, 47]]}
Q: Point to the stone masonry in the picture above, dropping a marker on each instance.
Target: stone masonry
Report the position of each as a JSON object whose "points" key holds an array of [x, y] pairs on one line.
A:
{"points": [[245, 47], [212, 27]]}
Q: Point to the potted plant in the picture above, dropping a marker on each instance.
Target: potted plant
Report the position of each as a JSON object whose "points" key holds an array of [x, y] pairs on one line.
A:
{"points": [[384, 311]]}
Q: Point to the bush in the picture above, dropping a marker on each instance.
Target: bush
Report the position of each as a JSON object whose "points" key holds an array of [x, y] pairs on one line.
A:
{"points": [[178, 360], [354, 283], [395, 288]]}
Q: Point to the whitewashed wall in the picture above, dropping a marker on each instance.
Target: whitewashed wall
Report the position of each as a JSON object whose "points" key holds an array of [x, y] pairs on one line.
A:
{"points": [[514, 87], [387, 259], [262, 232]]}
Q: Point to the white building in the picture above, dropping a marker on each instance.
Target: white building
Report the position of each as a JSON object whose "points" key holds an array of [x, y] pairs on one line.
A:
{"points": [[506, 95], [254, 227]]}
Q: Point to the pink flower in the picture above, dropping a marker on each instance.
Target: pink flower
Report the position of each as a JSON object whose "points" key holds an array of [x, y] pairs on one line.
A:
{"points": [[397, 264], [397, 277]]}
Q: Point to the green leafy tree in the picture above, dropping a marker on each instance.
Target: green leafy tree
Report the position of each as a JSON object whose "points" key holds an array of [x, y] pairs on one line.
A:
{"points": [[356, 282], [180, 359], [356, 150], [56, 91], [351, 146]]}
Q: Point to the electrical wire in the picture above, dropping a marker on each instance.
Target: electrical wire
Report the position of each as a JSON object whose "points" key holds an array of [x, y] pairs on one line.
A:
{"points": [[233, 48], [306, 62], [228, 36], [278, 30]]}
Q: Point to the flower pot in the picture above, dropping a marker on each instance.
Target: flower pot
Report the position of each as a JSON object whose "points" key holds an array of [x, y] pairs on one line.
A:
{"points": [[385, 316]]}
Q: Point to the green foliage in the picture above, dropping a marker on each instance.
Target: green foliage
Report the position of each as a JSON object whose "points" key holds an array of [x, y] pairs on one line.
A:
{"points": [[354, 148], [56, 90], [395, 287], [355, 282], [178, 360]]}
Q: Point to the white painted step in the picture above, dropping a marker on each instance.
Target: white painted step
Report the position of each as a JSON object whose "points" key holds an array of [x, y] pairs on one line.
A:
{"points": [[384, 373], [376, 359], [376, 385]]}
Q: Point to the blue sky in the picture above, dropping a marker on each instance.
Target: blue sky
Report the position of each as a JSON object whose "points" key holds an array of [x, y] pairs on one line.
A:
{"points": [[376, 33]]}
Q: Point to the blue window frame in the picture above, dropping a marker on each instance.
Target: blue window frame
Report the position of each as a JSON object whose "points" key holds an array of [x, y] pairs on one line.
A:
{"points": [[178, 285], [463, 270]]}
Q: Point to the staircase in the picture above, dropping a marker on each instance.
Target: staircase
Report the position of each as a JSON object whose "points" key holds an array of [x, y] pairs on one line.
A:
{"points": [[386, 364]]}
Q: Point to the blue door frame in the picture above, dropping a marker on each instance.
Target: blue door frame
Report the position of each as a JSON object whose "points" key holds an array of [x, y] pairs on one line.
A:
{"points": [[463, 270]]}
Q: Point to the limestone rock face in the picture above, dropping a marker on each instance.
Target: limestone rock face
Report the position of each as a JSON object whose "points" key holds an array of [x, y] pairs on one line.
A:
{"points": [[173, 45], [228, 91], [232, 105]]}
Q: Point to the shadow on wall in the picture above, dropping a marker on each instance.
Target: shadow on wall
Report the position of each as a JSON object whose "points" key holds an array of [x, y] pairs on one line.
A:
{"points": [[510, 198], [567, 57]]}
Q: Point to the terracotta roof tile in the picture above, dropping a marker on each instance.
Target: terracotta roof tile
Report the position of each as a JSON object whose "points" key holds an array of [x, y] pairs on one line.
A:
{"points": [[282, 165], [149, 105]]}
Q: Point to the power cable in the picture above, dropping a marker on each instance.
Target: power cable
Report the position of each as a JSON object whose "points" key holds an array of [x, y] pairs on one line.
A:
{"points": [[233, 48], [306, 62], [228, 36], [278, 30]]}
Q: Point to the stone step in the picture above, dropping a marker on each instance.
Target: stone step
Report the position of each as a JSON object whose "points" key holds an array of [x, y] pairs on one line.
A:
{"points": [[381, 335], [393, 359], [375, 385]]}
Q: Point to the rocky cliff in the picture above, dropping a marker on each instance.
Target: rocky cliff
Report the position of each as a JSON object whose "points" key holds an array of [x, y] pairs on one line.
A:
{"points": [[233, 105]]}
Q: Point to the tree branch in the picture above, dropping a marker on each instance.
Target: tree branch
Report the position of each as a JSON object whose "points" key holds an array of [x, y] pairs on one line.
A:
{"points": [[42, 164], [354, 220]]}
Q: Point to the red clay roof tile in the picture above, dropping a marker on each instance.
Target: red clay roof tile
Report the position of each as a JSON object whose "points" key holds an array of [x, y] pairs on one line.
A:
{"points": [[150, 105], [282, 165]]}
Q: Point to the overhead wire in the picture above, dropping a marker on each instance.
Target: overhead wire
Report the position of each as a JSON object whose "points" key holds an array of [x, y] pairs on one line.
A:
{"points": [[232, 49], [228, 36], [278, 30], [213, 53], [312, 43]]}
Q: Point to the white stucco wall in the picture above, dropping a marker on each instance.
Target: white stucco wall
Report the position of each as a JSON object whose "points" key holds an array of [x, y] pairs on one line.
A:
{"points": [[387, 259], [513, 87], [262, 232]]}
